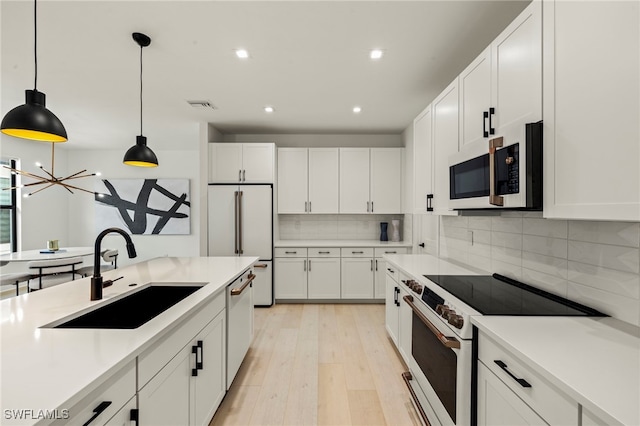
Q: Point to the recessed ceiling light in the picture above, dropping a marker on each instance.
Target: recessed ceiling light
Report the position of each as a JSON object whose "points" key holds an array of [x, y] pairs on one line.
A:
{"points": [[375, 54], [357, 109], [242, 53], [269, 109]]}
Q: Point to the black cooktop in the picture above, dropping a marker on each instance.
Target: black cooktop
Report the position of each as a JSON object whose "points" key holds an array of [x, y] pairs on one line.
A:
{"points": [[498, 295]]}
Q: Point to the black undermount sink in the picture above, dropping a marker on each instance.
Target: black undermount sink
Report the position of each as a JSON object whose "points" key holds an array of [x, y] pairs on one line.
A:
{"points": [[133, 310]]}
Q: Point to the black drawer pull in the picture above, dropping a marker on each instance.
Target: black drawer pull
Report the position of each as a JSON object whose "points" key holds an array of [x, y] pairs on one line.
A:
{"points": [[521, 382], [97, 411], [324, 252], [357, 252], [391, 270], [290, 252]]}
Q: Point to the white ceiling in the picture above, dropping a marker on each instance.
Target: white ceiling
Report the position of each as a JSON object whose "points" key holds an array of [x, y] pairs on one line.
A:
{"points": [[308, 59]]}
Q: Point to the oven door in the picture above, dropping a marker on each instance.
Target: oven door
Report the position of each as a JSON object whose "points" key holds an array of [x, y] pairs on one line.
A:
{"points": [[440, 366]]}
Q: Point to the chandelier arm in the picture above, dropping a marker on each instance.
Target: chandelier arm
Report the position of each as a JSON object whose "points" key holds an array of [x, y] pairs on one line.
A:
{"points": [[23, 173], [67, 186], [73, 176], [50, 174], [41, 189]]}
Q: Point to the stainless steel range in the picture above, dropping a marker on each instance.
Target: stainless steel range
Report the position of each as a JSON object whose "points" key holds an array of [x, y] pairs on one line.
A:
{"points": [[442, 366]]}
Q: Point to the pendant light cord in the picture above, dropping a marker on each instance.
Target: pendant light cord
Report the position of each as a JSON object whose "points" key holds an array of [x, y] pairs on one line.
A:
{"points": [[35, 44], [140, 90]]}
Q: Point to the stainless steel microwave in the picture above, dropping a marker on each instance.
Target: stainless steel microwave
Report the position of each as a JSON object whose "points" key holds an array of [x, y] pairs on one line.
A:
{"points": [[508, 175]]}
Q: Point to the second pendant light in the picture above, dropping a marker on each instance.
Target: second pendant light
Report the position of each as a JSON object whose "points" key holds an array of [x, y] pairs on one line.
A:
{"points": [[140, 154]]}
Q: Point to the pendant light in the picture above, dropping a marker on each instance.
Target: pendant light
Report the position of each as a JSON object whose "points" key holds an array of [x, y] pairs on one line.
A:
{"points": [[33, 120], [140, 154]]}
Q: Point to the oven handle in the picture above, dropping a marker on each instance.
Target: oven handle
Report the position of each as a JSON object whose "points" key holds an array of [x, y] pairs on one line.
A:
{"points": [[407, 377], [495, 200], [449, 342]]}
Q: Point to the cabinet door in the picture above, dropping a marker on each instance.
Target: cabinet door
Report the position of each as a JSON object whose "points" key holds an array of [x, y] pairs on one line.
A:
{"points": [[475, 100], [445, 143], [257, 162], [516, 56], [391, 308], [354, 180], [323, 180], [380, 278], [422, 159], [498, 405], [225, 162], [240, 323], [357, 278], [291, 278], [324, 278], [124, 416], [292, 180], [263, 284], [386, 180], [165, 399], [405, 325], [209, 385], [591, 110]]}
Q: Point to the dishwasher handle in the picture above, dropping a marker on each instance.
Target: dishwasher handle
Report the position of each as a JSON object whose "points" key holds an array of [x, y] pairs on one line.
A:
{"points": [[237, 291]]}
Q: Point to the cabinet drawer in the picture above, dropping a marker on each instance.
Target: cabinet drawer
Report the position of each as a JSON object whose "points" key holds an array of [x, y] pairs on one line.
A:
{"points": [[324, 252], [380, 251], [116, 390], [545, 399], [392, 272], [357, 252], [161, 352], [290, 252]]}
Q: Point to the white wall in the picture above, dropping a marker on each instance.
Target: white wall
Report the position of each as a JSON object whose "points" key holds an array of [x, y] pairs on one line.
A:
{"points": [[593, 263], [173, 164]]}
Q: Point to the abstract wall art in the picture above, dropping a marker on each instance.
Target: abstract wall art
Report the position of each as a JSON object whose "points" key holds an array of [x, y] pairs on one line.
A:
{"points": [[144, 206]]}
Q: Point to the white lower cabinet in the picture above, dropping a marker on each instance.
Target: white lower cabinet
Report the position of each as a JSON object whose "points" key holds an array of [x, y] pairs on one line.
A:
{"points": [[126, 416], [104, 402], [510, 392], [499, 405], [181, 379], [405, 325], [291, 273], [380, 268], [357, 273], [323, 278], [391, 305]]}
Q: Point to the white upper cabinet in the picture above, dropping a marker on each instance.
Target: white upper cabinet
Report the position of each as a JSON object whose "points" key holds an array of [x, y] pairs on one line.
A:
{"points": [[591, 110], [354, 180], [293, 169], [445, 143], [422, 159], [501, 90], [386, 180], [241, 162], [323, 180], [307, 180]]}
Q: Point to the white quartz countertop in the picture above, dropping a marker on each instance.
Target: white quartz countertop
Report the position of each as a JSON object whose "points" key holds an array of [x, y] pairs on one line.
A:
{"points": [[418, 265], [596, 361], [49, 368], [340, 243]]}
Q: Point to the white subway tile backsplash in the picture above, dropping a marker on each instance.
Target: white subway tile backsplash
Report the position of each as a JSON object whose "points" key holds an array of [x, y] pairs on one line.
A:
{"points": [[545, 227], [506, 269], [620, 307], [480, 237], [480, 262], [457, 233], [548, 265], [455, 221], [620, 258], [617, 233], [610, 280], [506, 255], [507, 224], [556, 247], [479, 222], [506, 240], [551, 283]]}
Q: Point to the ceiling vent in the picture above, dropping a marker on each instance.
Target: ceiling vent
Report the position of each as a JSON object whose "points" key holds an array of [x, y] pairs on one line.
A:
{"points": [[202, 104]]}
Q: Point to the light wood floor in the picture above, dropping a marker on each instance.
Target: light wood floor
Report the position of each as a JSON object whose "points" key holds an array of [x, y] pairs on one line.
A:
{"points": [[319, 365]]}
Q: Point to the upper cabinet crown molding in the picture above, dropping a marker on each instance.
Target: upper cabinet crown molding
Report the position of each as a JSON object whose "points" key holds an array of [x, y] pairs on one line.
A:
{"points": [[591, 110], [241, 162]]}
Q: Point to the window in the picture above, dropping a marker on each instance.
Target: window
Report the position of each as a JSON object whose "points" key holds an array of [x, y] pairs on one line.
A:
{"points": [[8, 208]]}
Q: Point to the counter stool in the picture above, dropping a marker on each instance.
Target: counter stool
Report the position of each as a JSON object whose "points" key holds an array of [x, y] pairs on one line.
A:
{"points": [[14, 278]]}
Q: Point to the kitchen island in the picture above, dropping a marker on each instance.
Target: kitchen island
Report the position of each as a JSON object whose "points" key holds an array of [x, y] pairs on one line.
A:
{"points": [[45, 372]]}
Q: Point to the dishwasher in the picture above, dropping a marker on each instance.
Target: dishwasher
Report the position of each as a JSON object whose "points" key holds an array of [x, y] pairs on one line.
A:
{"points": [[239, 322]]}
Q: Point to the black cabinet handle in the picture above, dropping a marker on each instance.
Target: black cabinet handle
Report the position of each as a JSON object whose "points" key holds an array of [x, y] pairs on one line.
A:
{"points": [[485, 115], [290, 252], [421, 245], [429, 202], [396, 296], [200, 346], [391, 270], [492, 130], [133, 416], [521, 382], [357, 252], [97, 411]]}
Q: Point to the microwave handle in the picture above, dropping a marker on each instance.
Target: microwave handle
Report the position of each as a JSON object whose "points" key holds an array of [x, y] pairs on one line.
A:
{"points": [[494, 200]]}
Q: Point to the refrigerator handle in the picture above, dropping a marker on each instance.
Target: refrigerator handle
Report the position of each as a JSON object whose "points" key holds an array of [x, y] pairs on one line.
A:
{"points": [[240, 221], [235, 220]]}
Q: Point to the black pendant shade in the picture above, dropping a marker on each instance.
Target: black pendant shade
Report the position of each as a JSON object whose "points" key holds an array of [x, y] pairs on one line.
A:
{"points": [[33, 120], [140, 154]]}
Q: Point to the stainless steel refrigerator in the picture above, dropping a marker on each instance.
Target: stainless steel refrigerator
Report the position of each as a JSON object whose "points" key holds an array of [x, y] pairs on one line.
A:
{"points": [[240, 223]]}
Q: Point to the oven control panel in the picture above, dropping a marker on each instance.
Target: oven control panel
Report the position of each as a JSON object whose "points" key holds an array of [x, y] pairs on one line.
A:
{"points": [[413, 286], [450, 315]]}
